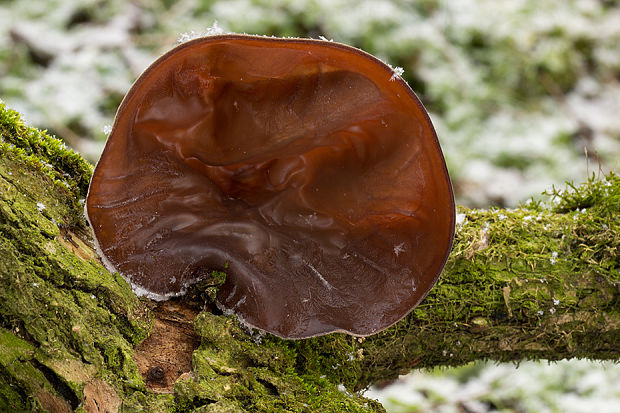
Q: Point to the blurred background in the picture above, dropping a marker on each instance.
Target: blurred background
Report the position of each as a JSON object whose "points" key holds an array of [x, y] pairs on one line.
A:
{"points": [[524, 94]]}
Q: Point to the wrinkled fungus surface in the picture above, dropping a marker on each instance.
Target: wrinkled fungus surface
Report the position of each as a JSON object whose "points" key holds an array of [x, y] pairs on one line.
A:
{"points": [[307, 167]]}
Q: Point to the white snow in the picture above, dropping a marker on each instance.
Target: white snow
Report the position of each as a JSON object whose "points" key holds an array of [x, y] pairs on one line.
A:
{"points": [[397, 72], [399, 248], [554, 257], [571, 387]]}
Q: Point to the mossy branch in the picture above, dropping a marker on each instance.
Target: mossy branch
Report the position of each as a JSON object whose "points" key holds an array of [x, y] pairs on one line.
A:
{"points": [[537, 282]]}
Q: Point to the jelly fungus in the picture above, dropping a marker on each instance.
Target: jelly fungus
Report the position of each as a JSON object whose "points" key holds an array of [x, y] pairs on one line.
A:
{"points": [[305, 166]]}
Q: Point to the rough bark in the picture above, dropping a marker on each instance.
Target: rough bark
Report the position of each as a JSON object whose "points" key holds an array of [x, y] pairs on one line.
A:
{"points": [[537, 282]]}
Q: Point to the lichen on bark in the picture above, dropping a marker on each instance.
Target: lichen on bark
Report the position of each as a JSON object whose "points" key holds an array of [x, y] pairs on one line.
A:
{"points": [[537, 282]]}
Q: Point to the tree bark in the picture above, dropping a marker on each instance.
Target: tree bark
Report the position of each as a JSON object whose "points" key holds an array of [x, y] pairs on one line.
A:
{"points": [[537, 282]]}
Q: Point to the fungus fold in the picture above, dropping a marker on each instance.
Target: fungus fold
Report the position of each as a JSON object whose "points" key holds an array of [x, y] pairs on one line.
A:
{"points": [[303, 165]]}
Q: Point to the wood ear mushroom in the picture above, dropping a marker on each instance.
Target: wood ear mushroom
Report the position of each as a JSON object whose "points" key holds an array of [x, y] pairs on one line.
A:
{"points": [[307, 166]]}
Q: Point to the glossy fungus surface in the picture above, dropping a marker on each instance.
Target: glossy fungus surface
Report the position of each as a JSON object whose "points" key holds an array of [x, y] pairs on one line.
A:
{"points": [[307, 168]]}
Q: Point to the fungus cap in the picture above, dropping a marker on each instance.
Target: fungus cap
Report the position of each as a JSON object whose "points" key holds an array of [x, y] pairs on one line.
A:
{"points": [[307, 167]]}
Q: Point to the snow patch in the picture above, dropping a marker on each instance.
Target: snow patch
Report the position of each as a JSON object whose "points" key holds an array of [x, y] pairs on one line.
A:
{"points": [[397, 72], [214, 30], [554, 256], [461, 219], [399, 248]]}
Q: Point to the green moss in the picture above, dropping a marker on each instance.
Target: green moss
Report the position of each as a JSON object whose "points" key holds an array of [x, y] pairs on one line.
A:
{"points": [[265, 373], [54, 293], [143, 402], [22, 378], [539, 281], [64, 166]]}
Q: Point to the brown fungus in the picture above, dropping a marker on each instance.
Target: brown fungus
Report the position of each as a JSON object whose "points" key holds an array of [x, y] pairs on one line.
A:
{"points": [[309, 167]]}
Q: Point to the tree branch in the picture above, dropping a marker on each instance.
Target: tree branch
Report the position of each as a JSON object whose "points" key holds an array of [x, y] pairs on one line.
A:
{"points": [[537, 282]]}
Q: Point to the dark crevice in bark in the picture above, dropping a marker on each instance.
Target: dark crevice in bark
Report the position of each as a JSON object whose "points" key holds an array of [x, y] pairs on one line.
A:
{"points": [[58, 384]]}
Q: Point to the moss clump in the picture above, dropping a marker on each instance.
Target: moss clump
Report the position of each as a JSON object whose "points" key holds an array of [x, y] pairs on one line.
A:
{"points": [[539, 281], [236, 369], [60, 163], [23, 379]]}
